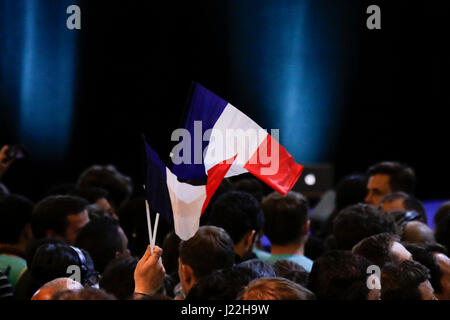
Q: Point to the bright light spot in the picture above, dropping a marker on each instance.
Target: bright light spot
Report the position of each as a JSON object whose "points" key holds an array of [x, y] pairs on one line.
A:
{"points": [[310, 179]]}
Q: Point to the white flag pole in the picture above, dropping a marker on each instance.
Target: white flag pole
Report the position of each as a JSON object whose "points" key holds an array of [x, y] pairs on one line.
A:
{"points": [[149, 224]]}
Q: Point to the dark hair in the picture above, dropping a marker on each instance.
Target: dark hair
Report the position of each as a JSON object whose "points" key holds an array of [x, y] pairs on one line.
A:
{"points": [[423, 253], [170, 248], [237, 213], [222, 284], [211, 248], [250, 185], [402, 177], [360, 221], [376, 248], [401, 281], [51, 213], [51, 261], [4, 192], [101, 238], [352, 189], [119, 186], [442, 227], [285, 217], [275, 289], [83, 294], [292, 271], [441, 213], [118, 277], [15, 213], [339, 275], [91, 194], [259, 268]]}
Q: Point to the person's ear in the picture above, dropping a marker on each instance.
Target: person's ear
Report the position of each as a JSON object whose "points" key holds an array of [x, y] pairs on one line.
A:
{"points": [[305, 228], [249, 239]]}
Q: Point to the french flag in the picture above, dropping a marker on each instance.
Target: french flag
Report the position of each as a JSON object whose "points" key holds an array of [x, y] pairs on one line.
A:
{"points": [[222, 132], [180, 203]]}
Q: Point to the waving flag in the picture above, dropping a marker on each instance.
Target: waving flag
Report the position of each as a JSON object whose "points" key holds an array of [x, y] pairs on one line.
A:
{"points": [[222, 132], [179, 202]]}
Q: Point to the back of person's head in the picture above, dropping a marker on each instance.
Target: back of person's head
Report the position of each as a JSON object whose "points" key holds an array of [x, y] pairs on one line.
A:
{"points": [[286, 217], [90, 194], [118, 185], [402, 281], [377, 248], [260, 268], [102, 239], [4, 192], [352, 189], [237, 213], [417, 232], [15, 214], [442, 228], [275, 289], [55, 286], [442, 212], [360, 221], [339, 275], [50, 214], [223, 284], [401, 177], [292, 271], [170, 248], [250, 185], [118, 278], [211, 248], [53, 261], [83, 294], [423, 253]]}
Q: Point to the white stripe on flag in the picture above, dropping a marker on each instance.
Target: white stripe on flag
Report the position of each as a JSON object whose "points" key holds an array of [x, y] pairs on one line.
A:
{"points": [[187, 202], [233, 133]]}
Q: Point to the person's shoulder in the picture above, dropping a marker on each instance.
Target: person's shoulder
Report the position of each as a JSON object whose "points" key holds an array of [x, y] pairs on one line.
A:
{"points": [[261, 255]]}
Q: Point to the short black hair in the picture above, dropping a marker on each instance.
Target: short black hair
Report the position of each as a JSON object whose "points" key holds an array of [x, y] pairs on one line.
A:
{"points": [[442, 229], [402, 177], [423, 253], [351, 189], [210, 249], [292, 271], [250, 185], [339, 275], [118, 185], [52, 261], [118, 277], [376, 248], [101, 238], [410, 203], [91, 194], [401, 281], [285, 215], [360, 221], [15, 213], [51, 213], [237, 213]]}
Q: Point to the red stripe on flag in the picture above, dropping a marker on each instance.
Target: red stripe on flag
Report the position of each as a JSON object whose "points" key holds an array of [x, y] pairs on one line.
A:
{"points": [[215, 177], [272, 164]]}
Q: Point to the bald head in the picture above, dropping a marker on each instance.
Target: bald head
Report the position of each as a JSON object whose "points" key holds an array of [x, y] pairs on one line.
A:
{"points": [[54, 286], [417, 232]]}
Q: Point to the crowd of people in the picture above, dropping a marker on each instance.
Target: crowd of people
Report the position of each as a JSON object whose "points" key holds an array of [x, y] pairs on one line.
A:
{"points": [[89, 241]]}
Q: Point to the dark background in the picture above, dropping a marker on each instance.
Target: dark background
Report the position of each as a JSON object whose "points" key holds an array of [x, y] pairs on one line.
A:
{"points": [[136, 60]]}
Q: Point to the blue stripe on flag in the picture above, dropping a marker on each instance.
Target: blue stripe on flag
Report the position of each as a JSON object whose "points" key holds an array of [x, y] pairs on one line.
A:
{"points": [[206, 107], [156, 187]]}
